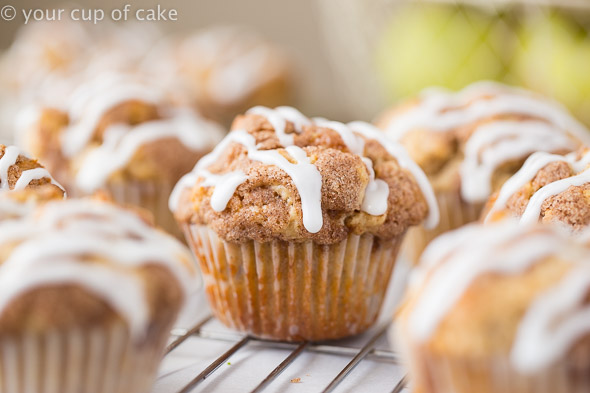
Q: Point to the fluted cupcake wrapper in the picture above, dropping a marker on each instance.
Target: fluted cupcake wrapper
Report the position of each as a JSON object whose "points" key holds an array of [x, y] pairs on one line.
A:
{"points": [[454, 213], [431, 373], [292, 291], [101, 360], [151, 195]]}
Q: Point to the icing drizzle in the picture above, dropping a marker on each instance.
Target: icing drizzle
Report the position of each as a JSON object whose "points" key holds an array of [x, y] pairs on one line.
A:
{"points": [[53, 244], [529, 170], [120, 142], [554, 320], [303, 173], [93, 100], [495, 142], [9, 159]]}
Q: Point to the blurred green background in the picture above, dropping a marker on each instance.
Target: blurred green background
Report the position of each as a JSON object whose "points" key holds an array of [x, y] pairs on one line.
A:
{"points": [[354, 57]]}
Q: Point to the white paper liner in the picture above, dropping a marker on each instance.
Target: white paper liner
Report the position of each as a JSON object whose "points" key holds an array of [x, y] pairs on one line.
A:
{"points": [[101, 360], [454, 213], [150, 195], [430, 373], [292, 291]]}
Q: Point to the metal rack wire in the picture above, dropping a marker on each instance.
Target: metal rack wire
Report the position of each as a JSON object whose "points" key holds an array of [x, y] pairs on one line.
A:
{"points": [[239, 341]]}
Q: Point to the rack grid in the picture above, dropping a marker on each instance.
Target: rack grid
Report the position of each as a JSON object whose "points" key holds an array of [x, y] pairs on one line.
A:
{"points": [[237, 342]]}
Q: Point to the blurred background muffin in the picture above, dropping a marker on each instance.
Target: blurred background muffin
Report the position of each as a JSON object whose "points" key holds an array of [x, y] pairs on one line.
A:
{"points": [[548, 188], [498, 309], [471, 141], [84, 280], [220, 71], [121, 135], [223, 70], [24, 184]]}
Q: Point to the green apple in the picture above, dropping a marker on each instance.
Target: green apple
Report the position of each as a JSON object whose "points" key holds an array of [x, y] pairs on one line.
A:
{"points": [[443, 45], [554, 59]]}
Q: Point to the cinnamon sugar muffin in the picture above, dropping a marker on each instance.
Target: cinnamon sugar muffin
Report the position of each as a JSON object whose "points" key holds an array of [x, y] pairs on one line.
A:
{"points": [[223, 70], [548, 188], [498, 309], [121, 135], [24, 184], [88, 294], [296, 223], [470, 142]]}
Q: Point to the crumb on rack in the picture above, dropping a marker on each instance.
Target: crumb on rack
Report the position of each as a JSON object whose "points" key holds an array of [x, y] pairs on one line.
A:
{"points": [[229, 363], [296, 380]]}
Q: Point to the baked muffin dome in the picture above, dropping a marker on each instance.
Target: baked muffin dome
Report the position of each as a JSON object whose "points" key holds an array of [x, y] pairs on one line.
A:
{"points": [[122, 135], [279, 175], [548, 188], [296, 223], [470, 142], [97, 261], [19, 172], [477, 137], [24, 184], [83, 280], [499, 308]]}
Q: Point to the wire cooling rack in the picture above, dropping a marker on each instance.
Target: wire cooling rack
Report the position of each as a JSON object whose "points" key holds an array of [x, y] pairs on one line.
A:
{"points": [[238, 342], [208, 357]]}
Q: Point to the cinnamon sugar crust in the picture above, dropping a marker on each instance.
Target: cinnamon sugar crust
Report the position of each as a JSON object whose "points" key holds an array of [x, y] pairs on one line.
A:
{"points": [[165, 159], [570, 207], [267, 206], [439, 154], [24, 163]]}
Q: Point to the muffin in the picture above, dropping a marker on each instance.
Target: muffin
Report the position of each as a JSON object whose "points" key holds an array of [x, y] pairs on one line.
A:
{"points": [[223, 70], [24, 184], [470, 142], [498, 309], [89, 295], [122, 136], [548, 188], [296, 223]]}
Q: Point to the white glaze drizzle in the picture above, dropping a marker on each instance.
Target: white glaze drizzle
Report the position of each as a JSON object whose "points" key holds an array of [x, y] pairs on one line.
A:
{"points": [[373, 202], [493, 144], [120, 142], [442, 110], [553, 321], [9, 159], [304, 175], [93, 100], [401, 155], [376, 193], [498, 141], [529, 170], [53, 244], [278, 118]]}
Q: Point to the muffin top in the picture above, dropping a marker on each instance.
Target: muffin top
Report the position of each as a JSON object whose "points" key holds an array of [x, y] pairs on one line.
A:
{"points": [[549, 188], [501, 290], [117, 126], [19, 172], [478, 137], [280, 175], [78, 263]]}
